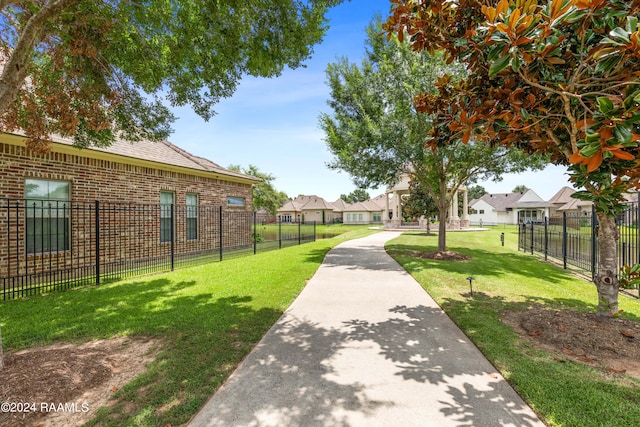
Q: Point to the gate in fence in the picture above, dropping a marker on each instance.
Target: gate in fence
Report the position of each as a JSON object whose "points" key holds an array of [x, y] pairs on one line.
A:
{"points": [[49, 245]]}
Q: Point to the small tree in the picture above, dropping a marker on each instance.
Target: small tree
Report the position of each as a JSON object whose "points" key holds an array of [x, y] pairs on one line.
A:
{"points": [[520, 189], [557, 77], [419, 203], [476, 191], [264, 194], [376, 133]]}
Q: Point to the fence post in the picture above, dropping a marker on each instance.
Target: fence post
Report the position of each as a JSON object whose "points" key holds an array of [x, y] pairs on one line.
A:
{"points": [[255, 234], [594, 241], [220, 230], [97, 207], [532, 238], [637, 224], [173, 237], [564, 239], [299, 233], [280, 234], [314, 231], [546, 237]]}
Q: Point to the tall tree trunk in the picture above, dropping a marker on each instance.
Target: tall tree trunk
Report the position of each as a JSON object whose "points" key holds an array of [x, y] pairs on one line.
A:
{"points": [[443, 211], [606, 280]]}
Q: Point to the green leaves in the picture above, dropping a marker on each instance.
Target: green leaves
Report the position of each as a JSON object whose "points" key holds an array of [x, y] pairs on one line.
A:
{"points": [[605, 105], [97, 62], [499, 65]]}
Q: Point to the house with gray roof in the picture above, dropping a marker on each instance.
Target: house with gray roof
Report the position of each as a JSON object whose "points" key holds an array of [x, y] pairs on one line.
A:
{"points": [[152, 196], [308, 209], [508, 208], [367, 212]]}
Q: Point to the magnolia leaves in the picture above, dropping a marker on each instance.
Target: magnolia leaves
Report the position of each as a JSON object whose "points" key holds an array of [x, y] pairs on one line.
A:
{"points": [[610, 135]]}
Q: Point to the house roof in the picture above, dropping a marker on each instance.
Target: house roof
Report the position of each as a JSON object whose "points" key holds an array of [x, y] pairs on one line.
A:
{"points": [[574, 204], [503, 201], [563, 196], [313, 202], [500, 201], [301, 203], [372, 205], [339, 205], [160, 153]]}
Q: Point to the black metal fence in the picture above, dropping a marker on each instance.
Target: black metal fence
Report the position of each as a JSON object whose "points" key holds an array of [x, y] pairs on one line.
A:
{"points": [[49, 245], [571, 238]]}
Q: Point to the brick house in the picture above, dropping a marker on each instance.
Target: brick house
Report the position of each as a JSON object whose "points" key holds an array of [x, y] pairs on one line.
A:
{"points": [[47, 205]]}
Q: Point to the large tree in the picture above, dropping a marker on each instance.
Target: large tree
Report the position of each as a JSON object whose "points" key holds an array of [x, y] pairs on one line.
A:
{"points": [[558, 77], [357, 195], [264, 194], [96, 69], [376, 134]]}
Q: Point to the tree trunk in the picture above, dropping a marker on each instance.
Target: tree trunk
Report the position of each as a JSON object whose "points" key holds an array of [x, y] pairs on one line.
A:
{"points": [[442, 227], [606, 280]]}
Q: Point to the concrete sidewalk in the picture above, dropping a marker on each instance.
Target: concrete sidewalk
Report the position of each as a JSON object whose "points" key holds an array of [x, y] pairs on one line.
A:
{"points": [[365, 345]]}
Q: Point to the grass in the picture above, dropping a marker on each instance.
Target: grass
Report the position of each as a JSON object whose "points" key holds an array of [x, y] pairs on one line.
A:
{"points": [[330, 230], [563, 394], [207, 318]]}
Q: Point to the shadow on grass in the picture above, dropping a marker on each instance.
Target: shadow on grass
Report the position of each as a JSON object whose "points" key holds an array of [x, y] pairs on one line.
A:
{"points": [[559, 390], [487, 263], [203, 337], [306, 374]]}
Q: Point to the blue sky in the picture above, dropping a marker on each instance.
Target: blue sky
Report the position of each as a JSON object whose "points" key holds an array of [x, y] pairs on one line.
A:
{"points": [[273, 123]]}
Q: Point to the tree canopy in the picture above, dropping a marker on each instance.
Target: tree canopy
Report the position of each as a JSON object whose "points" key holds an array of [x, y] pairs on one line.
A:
{"points": [[521, 188], [357, 195], [264, 194], [95, 70], [376, 133], [557, 77]]}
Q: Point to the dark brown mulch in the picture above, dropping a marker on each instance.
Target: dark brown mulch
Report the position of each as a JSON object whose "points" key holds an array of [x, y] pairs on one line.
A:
{"points": [[82, 376], [613, 345]]}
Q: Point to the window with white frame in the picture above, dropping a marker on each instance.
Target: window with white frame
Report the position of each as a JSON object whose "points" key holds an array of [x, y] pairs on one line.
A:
{"points": [[48, 211], [192, 216]]}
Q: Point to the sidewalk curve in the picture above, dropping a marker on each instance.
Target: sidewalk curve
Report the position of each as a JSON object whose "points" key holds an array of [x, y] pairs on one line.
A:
{"points": [[365, 345]]}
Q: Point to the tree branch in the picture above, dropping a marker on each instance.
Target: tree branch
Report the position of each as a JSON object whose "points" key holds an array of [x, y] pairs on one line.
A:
{"points": [[15, 69]]}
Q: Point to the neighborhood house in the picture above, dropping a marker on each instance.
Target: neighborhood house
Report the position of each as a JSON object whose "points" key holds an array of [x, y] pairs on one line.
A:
{"points": [[147, 196], [509, 208]]}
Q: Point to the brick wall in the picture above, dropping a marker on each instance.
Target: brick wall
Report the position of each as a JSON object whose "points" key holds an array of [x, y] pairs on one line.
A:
{"points": [[93, 179], [126, 233]]}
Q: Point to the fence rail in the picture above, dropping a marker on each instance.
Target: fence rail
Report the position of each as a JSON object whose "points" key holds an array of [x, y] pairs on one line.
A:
{"points": [[51, 245], [572, 239]]}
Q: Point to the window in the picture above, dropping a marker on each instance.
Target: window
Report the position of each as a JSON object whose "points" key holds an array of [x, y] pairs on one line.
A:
{"points": [[48, 212], [235, 201], [377, 216], [481, 211], [192, 216], [348, 217], [166, 220], [359, 217]]}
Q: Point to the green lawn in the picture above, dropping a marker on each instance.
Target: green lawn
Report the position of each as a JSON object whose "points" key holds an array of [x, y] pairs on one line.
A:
{"points": [[207, 317], [564, 394]]}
